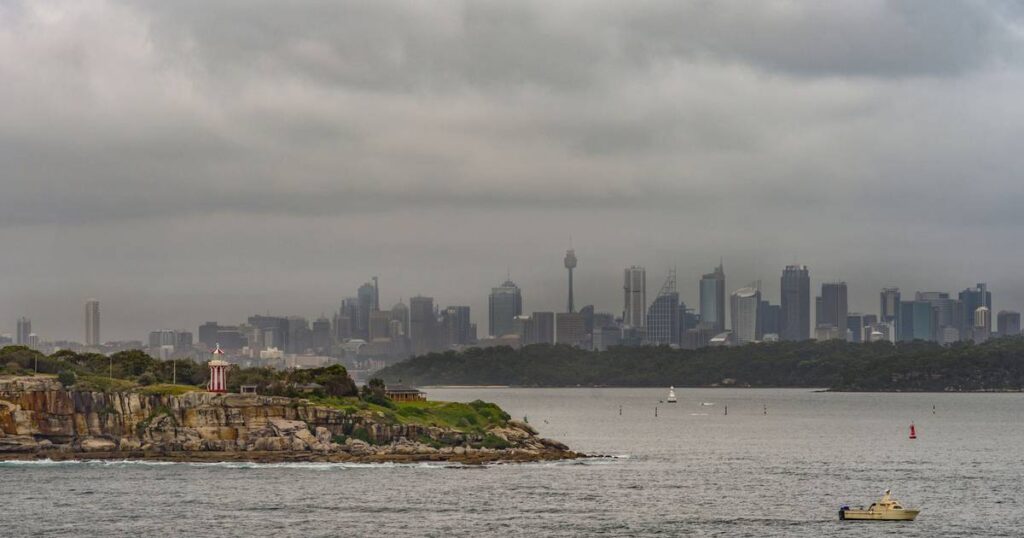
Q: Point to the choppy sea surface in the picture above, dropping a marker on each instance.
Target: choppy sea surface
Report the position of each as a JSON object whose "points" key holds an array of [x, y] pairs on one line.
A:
{"points": [[780, 463]]}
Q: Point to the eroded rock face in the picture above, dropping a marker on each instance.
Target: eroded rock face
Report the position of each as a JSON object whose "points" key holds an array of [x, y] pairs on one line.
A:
{"points": [[38, 414]]}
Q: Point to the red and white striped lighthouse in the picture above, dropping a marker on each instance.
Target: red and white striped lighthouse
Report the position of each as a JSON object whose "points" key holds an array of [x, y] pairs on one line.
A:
{"points": [[218, 372]]}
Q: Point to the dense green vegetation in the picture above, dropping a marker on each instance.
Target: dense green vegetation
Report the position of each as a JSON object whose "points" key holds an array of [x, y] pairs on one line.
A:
{"points": [[881, 366], [135, 369], [476, 416], [330, 386]]}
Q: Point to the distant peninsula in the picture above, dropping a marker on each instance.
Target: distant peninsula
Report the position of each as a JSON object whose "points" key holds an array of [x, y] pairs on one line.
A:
{"points": [[996, 365]]}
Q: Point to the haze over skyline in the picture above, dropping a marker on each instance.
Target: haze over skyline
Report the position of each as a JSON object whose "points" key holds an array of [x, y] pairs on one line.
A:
{"points": [[186, 162]]}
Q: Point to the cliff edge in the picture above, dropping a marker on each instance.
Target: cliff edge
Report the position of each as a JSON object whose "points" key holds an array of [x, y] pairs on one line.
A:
{"points": [[40, 418]]}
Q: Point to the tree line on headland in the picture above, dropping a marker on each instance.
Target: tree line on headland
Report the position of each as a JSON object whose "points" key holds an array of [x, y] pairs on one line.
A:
{"points": [[996, 365], [132, 369]]}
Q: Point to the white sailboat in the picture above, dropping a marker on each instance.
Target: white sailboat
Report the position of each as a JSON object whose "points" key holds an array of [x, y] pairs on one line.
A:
{"points": [[671, 395]]}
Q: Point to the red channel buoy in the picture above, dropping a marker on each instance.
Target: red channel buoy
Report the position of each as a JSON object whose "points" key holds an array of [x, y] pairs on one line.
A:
{"points": [[913, 432]]}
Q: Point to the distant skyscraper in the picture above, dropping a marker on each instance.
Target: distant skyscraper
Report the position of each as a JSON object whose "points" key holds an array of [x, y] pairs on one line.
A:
{"points": [[400, 314], [635, 297], [545, 324], [588, 318], [834, 310], [368, 297], [1008, 323], [504, 304], [795, 308], [526, 330], [459, 330], [176, 341], [663, 315], [712, 298], [769, 317], [746, 305], [422, 325], [24, 330], [890, 305], [982, 324], [92, 323], [917, 321], [972, 299], [948, 312], [569, 328], [855, 326], [321, 337], [570, 264], [379, 324]]}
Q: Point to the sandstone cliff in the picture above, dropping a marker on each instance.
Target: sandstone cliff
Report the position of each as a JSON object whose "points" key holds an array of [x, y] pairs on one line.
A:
{"points": [[40, 418]]}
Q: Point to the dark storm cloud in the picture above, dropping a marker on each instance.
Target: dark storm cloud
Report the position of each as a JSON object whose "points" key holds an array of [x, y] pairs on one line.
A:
{"points": [[274, 155]]}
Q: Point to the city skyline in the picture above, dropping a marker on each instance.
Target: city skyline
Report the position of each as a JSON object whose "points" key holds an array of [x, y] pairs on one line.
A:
{"points": [[177, 180], [369, 297]]}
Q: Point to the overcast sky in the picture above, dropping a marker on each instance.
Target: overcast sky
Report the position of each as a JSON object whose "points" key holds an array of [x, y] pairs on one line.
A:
{"points": [[183, 161]]}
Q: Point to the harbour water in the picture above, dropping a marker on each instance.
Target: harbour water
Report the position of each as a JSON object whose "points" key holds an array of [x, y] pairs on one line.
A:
{"points": [[779, 464]]}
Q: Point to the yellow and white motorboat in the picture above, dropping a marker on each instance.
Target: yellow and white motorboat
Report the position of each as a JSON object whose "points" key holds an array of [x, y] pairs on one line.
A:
{"points": [[886, 509]]}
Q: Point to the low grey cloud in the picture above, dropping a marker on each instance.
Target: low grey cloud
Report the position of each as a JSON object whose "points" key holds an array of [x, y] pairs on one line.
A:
{"points": [[228, 157]]}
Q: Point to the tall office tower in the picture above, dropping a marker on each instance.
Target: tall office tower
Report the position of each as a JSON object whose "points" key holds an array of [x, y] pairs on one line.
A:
{"points": [[503, 305], [459, 330], [272, 331], [712, 298], [948, 313], [663, 315], [159, 339], [321, 336], [890, 305], [422, 325], [300, 337], [917, 321], [833, 306], [1008, 323], [545, 322], [635, 297], [770, 317], [379, 325], [367, 295], [588, 318], [400, 313], [526, 330], [92, 323], [746, 304], [855, 327], [570, 264], [569, 328], [982, 324], [24, 330], [795, 308], [972, 299]]}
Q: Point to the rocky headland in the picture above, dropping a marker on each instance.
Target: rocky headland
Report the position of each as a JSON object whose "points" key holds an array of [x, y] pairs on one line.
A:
{"points": [[40, 418]]}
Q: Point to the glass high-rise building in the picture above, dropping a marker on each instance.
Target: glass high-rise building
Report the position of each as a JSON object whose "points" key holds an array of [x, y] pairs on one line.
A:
{"points": [[92, 323], [712, 298], [889, 310], [1008, 323], [795, 309], [972, 299], [634, 297], [545, 326], [834, 309], [422, 325], [746, 307], [504, 304]]}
